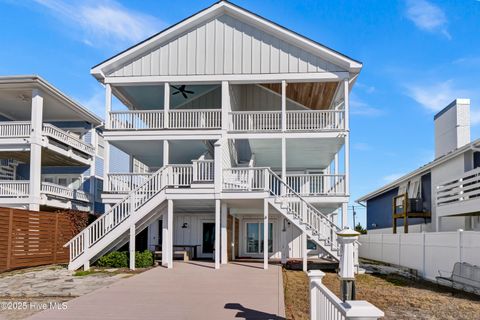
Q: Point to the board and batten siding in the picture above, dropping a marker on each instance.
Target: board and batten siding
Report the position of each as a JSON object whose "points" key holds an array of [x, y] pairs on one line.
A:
{"points": [[224, 45]]}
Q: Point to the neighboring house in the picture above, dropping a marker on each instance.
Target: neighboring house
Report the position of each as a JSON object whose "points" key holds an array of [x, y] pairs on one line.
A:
{"points": [[51, 148], [238, 135], [443, 195]]}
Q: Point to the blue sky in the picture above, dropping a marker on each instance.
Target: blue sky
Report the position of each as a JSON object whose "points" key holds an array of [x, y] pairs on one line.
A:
{"points": [[418, 55]]}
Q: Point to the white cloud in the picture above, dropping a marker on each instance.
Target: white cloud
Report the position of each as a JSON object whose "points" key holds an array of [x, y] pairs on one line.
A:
{"points": [[436, 96], [428, 17], [392, 177], [360, 107], [103, 23]]}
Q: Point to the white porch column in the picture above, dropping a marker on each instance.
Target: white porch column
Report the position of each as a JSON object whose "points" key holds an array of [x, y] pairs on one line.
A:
{"points": [[92, 191], [283, 242], [284, 164], [217, 234], [166, 104], [108, 105], [166, 152], [170, 234], [346, 100], [226, 107], [284, 105], [218, 165], [265, 234], [165, 239], [132, 247], [344, 215], [224, 245], [304, 252], [36, 150]]}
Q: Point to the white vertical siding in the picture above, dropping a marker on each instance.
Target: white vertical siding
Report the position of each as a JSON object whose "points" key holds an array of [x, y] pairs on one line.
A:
{"points": [[224, 45]]}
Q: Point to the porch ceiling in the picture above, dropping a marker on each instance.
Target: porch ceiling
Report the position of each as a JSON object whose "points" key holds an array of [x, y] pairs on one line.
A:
{"points": [[49, 158], [314, 95]]}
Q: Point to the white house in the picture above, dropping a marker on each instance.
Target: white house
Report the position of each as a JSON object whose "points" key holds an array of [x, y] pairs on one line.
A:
{"points": [[238, 135], [51, 153], [442, 195]]}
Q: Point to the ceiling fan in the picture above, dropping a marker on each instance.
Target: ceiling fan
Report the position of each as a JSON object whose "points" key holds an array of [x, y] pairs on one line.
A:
{"points": [[182, 90]]}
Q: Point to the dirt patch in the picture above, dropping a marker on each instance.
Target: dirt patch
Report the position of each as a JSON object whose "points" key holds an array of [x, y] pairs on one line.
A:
{"points": [[399, 297]]}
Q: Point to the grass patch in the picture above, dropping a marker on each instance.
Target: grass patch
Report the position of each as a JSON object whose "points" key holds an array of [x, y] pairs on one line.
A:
{"points": [[82, 273]]}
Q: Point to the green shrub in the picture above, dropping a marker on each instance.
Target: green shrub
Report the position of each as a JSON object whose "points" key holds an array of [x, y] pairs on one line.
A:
{"points": [[143, 259], [114, 259]]}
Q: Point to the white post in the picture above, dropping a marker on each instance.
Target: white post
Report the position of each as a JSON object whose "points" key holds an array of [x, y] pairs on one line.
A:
{"points": [[218, 165], [94, 143], [346, 241], [344, 215], [283, 241], [217, 234], [346, 100], [284, 165], [226, 108], [284, 106], [224, 245], [106, 165], [170, 234], [315, 277], [265, 234], [108, 105], [165, 239], [86, 248], [132, 247], [166, 104], [166, 152], [233, 238], [304, 252], [36, 150]]}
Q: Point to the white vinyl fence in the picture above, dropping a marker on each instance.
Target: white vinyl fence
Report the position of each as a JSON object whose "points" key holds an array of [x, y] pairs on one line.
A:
{"points": [[426, 252]]}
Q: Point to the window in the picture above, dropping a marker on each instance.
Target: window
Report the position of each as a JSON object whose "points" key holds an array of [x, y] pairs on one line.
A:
{"points": [[255, 237]]}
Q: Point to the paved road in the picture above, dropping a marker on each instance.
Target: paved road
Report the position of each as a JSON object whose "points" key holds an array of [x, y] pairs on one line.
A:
{"points": [[192, 290]]}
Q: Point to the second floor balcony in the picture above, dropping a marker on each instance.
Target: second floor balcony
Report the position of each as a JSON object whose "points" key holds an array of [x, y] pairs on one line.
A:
{"points": [[238, 121]]}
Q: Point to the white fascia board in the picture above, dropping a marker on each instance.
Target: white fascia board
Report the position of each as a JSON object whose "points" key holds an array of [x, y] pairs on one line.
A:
{"points": [[287, 135], [422, 170], [232, 78], [216, 10], [134, 135]]}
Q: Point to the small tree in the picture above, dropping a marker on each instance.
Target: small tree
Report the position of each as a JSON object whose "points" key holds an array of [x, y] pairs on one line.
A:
{"points": [[360, 229]]}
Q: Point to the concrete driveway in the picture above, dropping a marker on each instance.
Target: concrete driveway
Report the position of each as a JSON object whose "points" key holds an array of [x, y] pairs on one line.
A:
{"points": [[191, 290]]}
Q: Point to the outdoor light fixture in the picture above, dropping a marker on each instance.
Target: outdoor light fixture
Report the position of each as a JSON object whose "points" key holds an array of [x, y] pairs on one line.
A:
{"points": [[285, 222], [185, 225]]}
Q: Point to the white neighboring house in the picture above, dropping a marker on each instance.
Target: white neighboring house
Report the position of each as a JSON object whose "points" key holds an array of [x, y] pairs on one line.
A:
{"points": [[443, 195], [50, 148], [238, 135]]}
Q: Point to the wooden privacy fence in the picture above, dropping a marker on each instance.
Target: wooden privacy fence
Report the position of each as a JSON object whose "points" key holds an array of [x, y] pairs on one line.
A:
{"points": [[30, 238]]}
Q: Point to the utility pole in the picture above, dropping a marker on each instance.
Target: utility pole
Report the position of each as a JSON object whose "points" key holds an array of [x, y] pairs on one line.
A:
{"points": [[354, 214]]}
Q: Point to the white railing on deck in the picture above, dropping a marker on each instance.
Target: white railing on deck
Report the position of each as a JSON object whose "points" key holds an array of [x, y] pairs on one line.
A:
{"points": [[246, 179], [317, 184], [64, 192], [195, 119], [463, 188], [117, 214], [306, 120], [179, 175], [325, 305], [12, 129], [137, 120], [203, 170], [126, 182], [62, 136], [244, 121], [14, 189]]}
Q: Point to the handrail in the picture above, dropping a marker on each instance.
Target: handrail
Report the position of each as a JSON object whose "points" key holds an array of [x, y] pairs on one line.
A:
{"points": [[14, 129], [64, 137], [65, 192]]}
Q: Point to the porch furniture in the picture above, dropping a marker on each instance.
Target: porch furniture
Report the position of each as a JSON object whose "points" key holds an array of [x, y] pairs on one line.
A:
{"points": [[464, 277], [183, 254], [191, 248]]}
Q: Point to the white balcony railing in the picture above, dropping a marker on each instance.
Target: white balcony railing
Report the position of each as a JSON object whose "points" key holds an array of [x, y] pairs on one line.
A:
{"points": [[262, 121], [13, 129], [14, 189], [246, 179], [195, 119], [68, 139], [306, 120], [317, 184], [203, 170], [126, 182], [463, 188], [64, 192], [137, 120]]}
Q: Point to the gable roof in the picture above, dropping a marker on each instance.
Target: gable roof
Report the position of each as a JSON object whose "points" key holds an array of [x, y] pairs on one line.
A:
{"points": [[217, 10]]}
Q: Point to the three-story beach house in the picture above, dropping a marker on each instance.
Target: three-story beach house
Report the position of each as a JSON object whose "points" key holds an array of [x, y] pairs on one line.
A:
{"points": [[238, 135], [51, 148]]}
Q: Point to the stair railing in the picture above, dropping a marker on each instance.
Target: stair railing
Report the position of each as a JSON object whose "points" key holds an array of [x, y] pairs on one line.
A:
{"points": [[117, 214]]}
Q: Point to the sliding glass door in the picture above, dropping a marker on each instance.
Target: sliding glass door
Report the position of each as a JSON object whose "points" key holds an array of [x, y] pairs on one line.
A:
{"points": [[255, 237]]}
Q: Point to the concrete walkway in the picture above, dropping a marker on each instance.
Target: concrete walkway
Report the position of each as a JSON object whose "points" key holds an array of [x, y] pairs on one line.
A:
{"points": [[191, 290]]}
